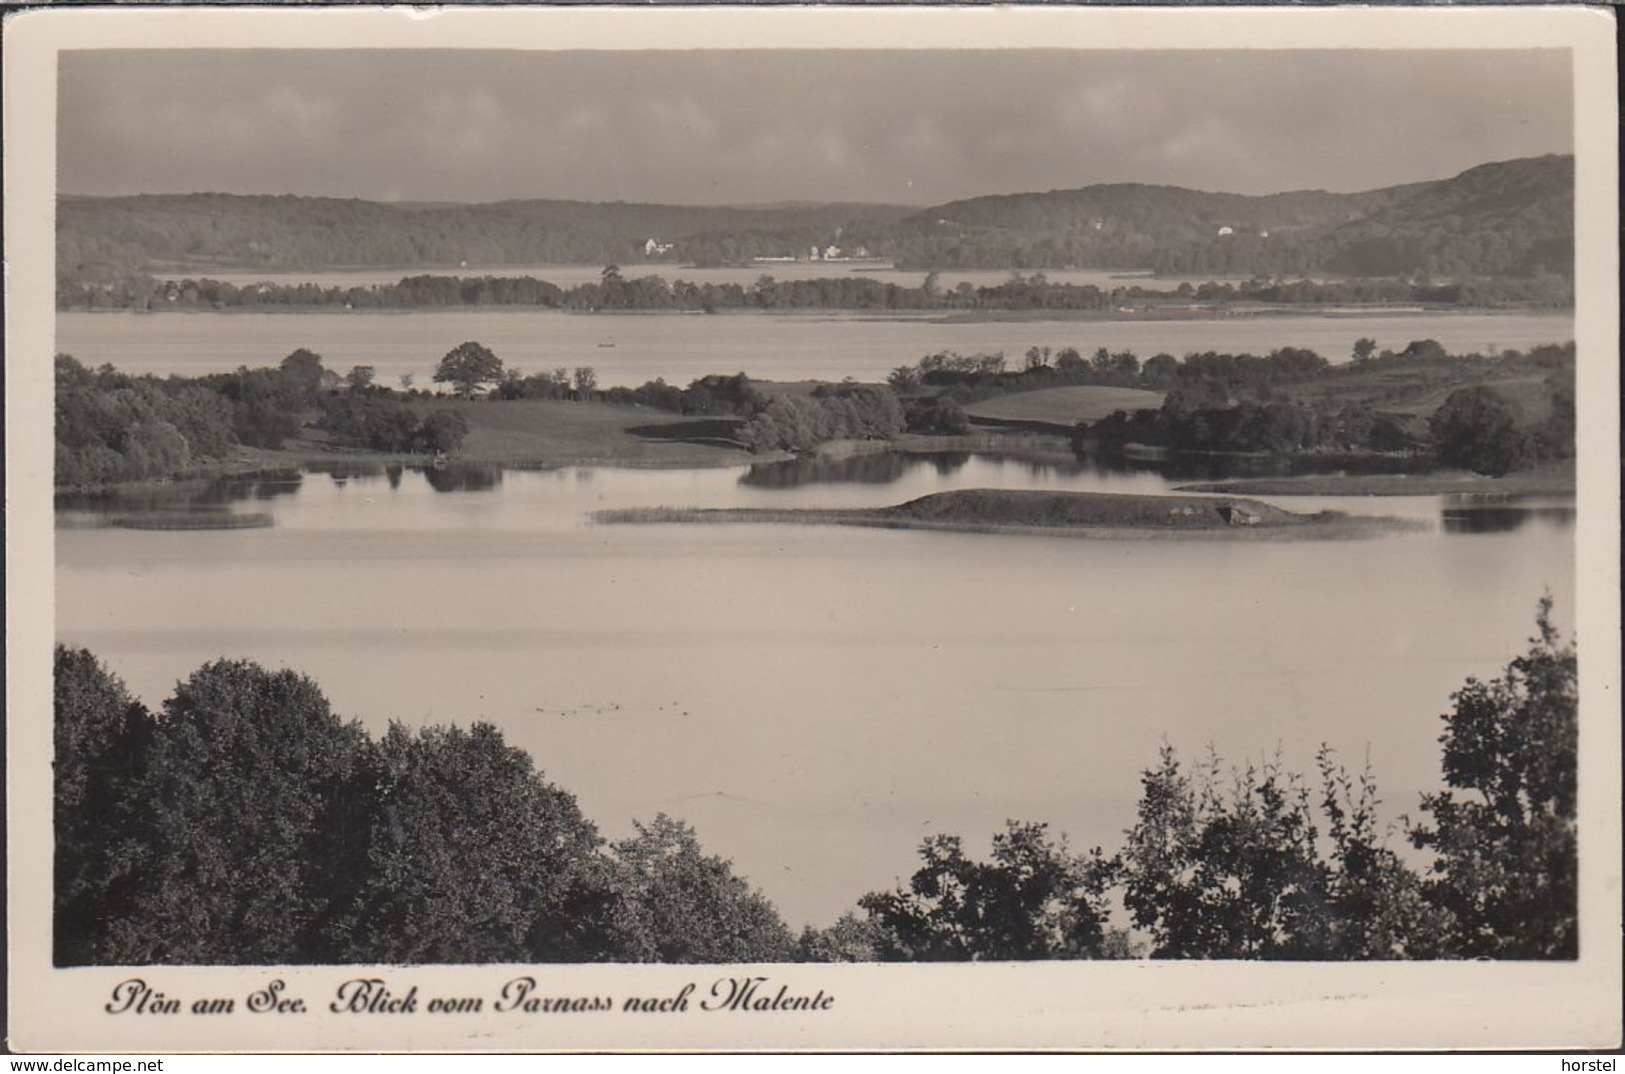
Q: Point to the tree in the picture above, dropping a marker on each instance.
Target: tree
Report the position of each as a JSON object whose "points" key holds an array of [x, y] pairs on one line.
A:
{"points": [[904, 378], [686, 906], [1504, 833], [473, 856], [102, 735], [443, 431], [1555, 437], [1424, 350], [1034, 899], [853, 938], [303, 372], [1216, 875], [1477, 429], [1070, 363], [265, 405], [360, 377], [1379, 910], [1364, 348], [585, 381], [469, 367], [260, 801]]}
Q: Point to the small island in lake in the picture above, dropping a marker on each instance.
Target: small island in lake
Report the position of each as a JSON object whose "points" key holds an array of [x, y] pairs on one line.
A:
{"points": [[1083, 514]]}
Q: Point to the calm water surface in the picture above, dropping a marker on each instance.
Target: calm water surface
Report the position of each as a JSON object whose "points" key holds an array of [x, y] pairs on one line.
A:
{"points": [[817, 700], [629, 349]]}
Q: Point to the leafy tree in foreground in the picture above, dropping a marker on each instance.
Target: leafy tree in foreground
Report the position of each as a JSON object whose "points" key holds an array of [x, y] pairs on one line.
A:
{"points": [[1379, 909], [1216, 875], [853, 938], [1034, 899], [469, 367], [101, 738], [686, 906], [259, 798], [1505, 831], [474, 857], [1244, 872]]}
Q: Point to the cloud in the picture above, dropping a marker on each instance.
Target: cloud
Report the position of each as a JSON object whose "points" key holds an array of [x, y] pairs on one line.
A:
{"points": [[769, 126]]}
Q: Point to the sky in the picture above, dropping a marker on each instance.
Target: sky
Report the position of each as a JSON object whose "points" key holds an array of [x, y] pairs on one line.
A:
{"points": [[909, 127]]}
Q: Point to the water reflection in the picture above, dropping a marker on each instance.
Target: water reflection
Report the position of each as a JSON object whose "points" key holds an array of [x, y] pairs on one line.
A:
{"points": [[186, 495], [463, 478], [342, 473], [881, 469], [889, 467], [1503, 514], [1198, 466]]}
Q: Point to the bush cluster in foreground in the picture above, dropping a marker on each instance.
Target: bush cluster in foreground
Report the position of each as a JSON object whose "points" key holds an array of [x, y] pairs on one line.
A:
{"points": [[245, 823]]}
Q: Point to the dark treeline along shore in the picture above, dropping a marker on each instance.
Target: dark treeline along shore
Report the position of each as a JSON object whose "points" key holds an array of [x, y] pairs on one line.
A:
{"points": [[616, 293], [1507, 416], [244, 822], [1500, 233]]}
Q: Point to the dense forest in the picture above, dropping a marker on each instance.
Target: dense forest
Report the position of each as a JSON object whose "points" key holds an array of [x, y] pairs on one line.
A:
{"points": [[1511, 220], [245, 822]]}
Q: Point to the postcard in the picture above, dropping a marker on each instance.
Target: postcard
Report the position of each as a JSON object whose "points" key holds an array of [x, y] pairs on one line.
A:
{"points": [[794, 529]]}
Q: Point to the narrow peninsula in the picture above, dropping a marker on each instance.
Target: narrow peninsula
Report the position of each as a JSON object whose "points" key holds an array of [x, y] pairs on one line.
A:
{"points": [[1081, 514]]}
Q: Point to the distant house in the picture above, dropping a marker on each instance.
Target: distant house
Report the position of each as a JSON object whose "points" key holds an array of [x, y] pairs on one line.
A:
{"points": [[1237, 516], [832, 253], [654, 248]]}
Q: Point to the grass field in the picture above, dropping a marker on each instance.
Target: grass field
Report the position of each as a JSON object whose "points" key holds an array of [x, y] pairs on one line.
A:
{"points": [[1064, 407], [560, 433], [1419, 390]]}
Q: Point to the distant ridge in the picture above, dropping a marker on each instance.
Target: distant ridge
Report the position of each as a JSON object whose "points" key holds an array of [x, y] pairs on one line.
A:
{"points": [[1509, 218], [1506, 218]]}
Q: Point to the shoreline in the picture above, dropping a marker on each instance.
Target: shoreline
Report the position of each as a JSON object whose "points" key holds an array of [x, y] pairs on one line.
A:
{"points": [[638, 453], [1555, 481]]}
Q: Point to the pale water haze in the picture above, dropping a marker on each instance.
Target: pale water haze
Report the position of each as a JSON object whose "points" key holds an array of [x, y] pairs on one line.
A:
{"points": [[629, 349]]}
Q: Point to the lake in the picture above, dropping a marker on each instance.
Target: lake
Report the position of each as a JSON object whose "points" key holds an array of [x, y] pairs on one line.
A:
{"points": [[629, 349], [816, 700]]}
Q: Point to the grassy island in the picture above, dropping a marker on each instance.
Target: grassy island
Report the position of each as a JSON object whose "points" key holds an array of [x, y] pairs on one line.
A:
{"points": [[1083, 514]]}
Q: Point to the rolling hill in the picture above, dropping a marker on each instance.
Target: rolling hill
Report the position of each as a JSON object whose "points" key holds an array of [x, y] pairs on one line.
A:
{"points": [[1508, 219]]}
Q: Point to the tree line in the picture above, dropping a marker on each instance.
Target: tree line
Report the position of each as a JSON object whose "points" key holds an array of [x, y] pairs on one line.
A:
{"points": [[115, 427], [613, 292], [244, 822], [1284, 402]]}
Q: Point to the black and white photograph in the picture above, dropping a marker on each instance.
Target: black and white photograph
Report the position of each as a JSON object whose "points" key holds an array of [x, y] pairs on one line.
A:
{"points": [[762, 529]]}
